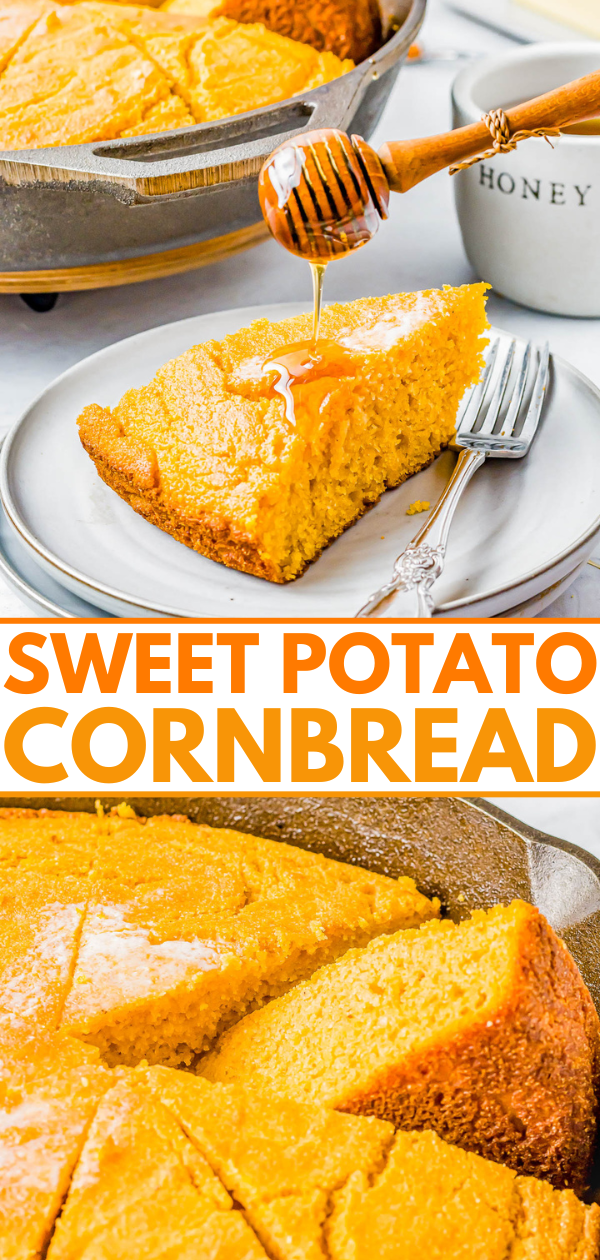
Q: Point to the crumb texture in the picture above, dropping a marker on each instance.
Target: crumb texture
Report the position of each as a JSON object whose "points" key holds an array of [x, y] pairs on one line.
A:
{"points": [[146, 938], [482, 1031]]}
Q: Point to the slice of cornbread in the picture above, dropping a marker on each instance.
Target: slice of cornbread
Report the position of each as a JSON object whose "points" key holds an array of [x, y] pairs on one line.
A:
{"points": [[141, 1189], [319, 1185], [483, 1031], [40, 921], [207, 451], [281, 1160], [436, 1201], [49, 1090], [188, 927], [235, 68]]}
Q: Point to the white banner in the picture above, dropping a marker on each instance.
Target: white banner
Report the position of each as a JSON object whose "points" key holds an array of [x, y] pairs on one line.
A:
{"points": [[311, 707]]}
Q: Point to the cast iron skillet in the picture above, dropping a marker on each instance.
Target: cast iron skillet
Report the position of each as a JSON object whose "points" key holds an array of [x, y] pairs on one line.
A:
{"points": [[88, 204], [466, 852]]}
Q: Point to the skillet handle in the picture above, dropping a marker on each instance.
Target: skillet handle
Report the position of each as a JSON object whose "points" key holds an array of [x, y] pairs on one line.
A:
{"points": [[200, 157]]}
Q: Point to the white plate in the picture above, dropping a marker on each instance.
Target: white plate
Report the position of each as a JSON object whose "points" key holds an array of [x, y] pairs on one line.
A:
{"points": [[44, 594], [520, 527], [41, 592], [515, 20], [33, 584]]}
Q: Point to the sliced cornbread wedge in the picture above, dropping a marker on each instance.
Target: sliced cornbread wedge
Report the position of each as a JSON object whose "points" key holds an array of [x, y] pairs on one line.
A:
{"points": [[49, 1090], [437, 1201], [208, 452], [281, 1160], [188, 927], [319, 1185], [482, 1031], [141, 1189], [40, 921]]}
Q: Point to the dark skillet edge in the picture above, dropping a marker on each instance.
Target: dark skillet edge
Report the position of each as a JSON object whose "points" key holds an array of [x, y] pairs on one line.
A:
{"points": [[531, 833]]}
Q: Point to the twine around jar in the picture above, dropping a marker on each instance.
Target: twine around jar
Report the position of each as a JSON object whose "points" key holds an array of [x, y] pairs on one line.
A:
{"points": [[499, 128]]}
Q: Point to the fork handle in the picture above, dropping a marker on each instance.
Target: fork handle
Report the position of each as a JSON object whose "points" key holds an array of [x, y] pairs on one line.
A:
{"points": [[408, 594]]}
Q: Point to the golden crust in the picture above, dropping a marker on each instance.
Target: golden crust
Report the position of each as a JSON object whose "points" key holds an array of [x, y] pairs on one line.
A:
{"points": [[210, 456], [496, 1091], [348, 28], [210, 535], [512, 1075]]}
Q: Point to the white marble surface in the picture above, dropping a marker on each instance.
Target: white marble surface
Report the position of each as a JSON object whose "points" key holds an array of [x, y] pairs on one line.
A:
{"points": [[576, 819], [420, 247]]}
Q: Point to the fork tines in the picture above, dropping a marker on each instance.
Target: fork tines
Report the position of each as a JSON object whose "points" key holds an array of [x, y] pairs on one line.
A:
{"points": [[499, 420]]}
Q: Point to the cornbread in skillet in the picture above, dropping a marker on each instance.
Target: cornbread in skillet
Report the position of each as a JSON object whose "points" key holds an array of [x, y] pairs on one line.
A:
{"points": [[49, 1090], [208, 453], [282, 1161], [349, 28], [482, 1031], [189, 927], [315, 1184], [77, 78], [51, 841], [40, 921], [436, 1201], [142, 1190], [75, 73]]}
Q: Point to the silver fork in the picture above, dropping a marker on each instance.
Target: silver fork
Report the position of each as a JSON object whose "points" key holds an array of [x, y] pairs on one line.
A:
{"points": [[408, 594]]}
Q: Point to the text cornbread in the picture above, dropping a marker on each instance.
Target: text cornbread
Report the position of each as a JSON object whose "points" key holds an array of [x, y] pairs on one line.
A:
{"points": [[207, 450], [482, 1031], [71, 74], [187, 927]]}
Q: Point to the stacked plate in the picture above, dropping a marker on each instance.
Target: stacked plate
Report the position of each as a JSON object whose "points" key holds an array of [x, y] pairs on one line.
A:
{"points": [[73, 548]]}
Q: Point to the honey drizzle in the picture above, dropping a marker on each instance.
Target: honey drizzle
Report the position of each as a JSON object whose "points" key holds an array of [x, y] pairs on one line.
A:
{"points": [[302, 360], [318, 276]]}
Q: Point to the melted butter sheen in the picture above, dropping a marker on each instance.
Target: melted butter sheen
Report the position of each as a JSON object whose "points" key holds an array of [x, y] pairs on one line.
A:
{"points": [[304, 362]]}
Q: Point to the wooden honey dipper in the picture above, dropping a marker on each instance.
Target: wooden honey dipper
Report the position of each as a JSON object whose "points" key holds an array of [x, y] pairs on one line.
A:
{"points": [[324, 193]]}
